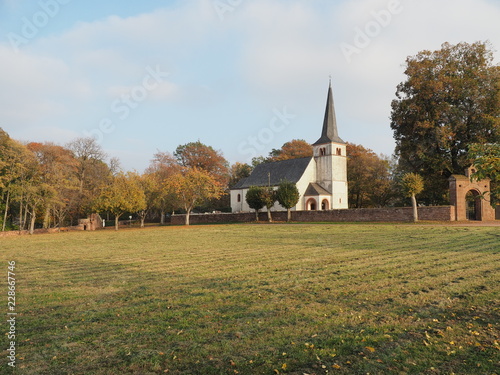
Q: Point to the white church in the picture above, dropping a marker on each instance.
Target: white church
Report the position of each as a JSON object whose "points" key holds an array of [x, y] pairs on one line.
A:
{"points": [[320, 179]]}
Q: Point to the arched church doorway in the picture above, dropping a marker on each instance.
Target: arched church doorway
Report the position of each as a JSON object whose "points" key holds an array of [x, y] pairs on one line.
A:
{"points": [[325, 205], [473, 205], [311, 204]]}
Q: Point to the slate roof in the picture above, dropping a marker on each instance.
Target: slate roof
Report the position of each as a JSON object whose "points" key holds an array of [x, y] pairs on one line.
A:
{"points": [[290, 170], [330, 131], [314, 189]]}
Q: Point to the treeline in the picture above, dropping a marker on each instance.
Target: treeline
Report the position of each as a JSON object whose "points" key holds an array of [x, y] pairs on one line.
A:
{"points": [[51, 186], [44, 185]]}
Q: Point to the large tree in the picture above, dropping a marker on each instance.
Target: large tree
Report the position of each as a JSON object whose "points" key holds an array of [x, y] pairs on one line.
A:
{"points": [[124, 194], [193, 187], [486, 162], [239, 171], [163, 166], [202, 157], [91, 171], [369, 178], [449, 101], [294, 149], [57, 170], [17, 167]]}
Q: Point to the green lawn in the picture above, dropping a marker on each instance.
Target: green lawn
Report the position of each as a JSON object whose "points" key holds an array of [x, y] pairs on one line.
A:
{"points": [[258, 299]]}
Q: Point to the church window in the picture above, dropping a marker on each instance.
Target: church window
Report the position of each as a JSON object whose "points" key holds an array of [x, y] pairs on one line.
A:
{"points": [[322, 151], [339, 151]]}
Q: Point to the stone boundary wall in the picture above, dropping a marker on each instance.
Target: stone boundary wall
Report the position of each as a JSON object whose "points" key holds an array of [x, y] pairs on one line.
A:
{"points": [[397, 214]]}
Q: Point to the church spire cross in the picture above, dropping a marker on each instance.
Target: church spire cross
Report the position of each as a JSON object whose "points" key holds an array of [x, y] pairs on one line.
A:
{"points": [[330, 131]]}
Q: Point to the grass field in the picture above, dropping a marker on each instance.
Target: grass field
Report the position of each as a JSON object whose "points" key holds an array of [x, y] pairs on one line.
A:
{"points": [[258, 299]]}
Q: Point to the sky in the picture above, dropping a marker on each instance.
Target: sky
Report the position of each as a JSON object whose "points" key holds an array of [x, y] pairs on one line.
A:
{"points": [[243, 76]]}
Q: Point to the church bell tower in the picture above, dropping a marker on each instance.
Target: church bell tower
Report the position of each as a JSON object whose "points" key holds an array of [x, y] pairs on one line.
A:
{"points": [[331, 159]]}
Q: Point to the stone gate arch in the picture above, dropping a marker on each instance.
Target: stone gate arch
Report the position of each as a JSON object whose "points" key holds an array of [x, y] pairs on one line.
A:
{"points": [[470, 197]]}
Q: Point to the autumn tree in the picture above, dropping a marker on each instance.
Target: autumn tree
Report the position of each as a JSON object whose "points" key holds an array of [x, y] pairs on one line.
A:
{"points": [[412, 185], [294, 149], [17, 167], [202, 157], [88, 153], [57, 170], [238, 172], [163, 166], [151, 189], [449, 101], [287, 196], [91, 171], [123, 195], [193, 187], [486, 162], [369, 178]]}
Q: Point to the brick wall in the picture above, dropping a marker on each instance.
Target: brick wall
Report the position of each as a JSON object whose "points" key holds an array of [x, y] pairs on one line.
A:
{"points": [[398, 214]]}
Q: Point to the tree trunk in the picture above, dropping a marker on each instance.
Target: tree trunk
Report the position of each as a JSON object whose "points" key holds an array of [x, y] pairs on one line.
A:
{"points": [[25, 220], [257, 215], [21, 207], [142, 222], [33, 219], [117, 220], [269, 217], [6, 210], [288, 215], [415, 209], [46, 218], [162, 217], [188, 212]]}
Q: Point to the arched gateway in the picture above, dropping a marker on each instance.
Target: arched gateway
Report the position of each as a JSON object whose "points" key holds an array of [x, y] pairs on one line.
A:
{"points": [[471, 198]]}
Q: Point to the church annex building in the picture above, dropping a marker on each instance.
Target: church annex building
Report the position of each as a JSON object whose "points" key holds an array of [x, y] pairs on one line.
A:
{"points": [[320, 179]]}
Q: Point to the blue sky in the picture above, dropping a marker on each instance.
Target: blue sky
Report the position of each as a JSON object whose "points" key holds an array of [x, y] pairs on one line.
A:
{"points": [[243, 76]]}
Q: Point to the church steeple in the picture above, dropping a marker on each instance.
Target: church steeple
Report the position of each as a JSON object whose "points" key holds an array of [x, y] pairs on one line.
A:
{"points": [[330, 131]]}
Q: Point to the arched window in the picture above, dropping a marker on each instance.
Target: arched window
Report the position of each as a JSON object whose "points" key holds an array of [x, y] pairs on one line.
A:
{"points": [[239, 198], [339, 151]]}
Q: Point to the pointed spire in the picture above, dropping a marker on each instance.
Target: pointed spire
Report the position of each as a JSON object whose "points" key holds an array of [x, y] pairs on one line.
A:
{"points": [[330, 131]]}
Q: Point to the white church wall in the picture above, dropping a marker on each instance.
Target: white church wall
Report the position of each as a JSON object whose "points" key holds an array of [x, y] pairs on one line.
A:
{"points": [[308, 177], [340, 198]]}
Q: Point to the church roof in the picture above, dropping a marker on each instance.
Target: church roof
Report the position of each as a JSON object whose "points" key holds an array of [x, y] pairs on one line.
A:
{"points": [[290, 170], [330, 131], [314, 189]]}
